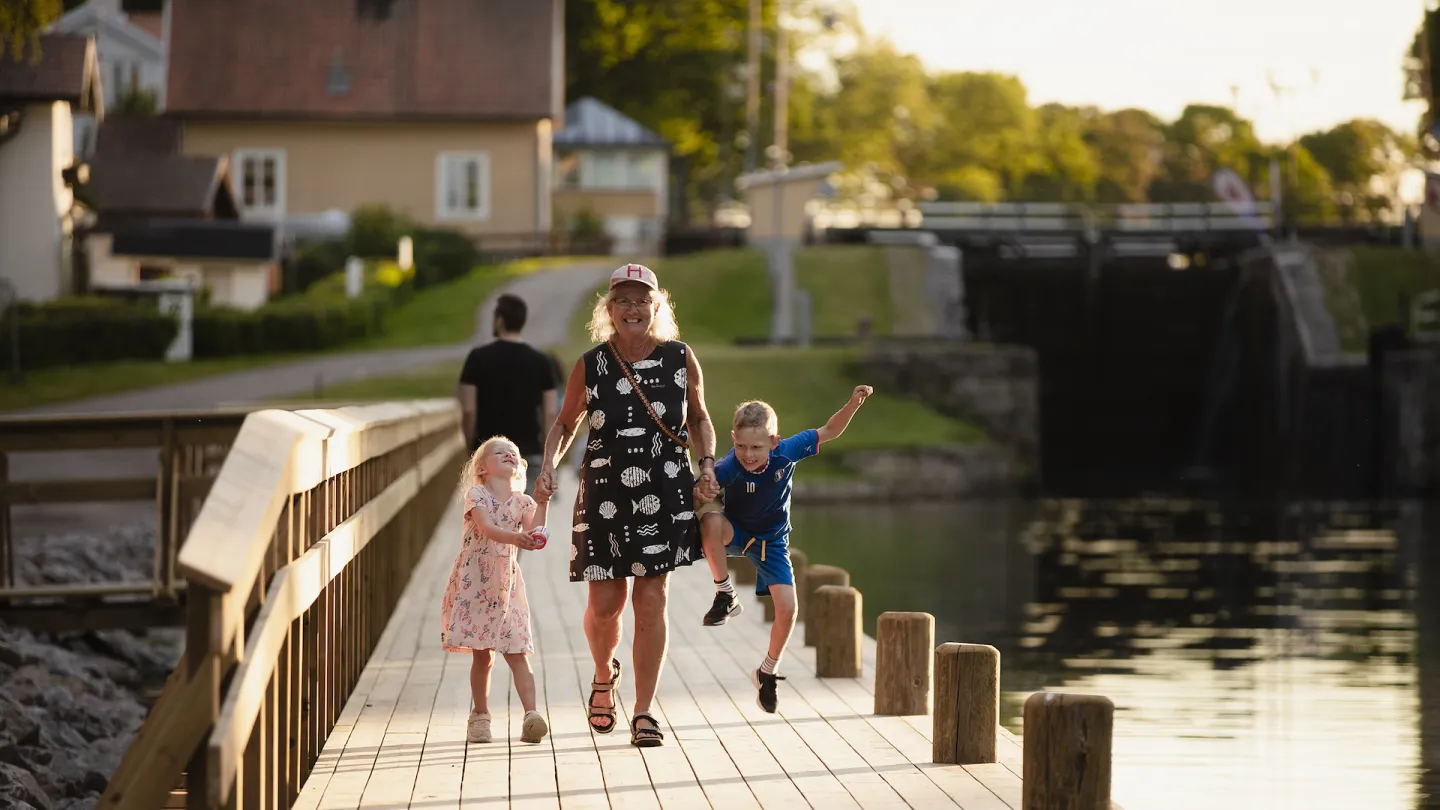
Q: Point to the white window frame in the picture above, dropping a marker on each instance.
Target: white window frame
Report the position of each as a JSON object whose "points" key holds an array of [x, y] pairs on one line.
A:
{"points": [[237, 174], [444, 162]]}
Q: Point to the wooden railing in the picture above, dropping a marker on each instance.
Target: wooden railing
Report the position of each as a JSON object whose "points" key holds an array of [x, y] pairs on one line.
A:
{"points": [[189, 448], [294, 565]]}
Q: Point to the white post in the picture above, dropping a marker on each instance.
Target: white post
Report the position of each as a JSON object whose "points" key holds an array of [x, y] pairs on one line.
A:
{"points": [[407, 253], [179, 301], [354, 277]]}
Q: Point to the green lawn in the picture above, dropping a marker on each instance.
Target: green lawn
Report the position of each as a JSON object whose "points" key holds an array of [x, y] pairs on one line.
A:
{"points": [[804, 386], [434, 316], [1379, 276], [846, 283]]}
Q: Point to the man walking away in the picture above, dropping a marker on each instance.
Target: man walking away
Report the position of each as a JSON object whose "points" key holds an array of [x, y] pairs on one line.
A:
{"points": [[507, 388]]}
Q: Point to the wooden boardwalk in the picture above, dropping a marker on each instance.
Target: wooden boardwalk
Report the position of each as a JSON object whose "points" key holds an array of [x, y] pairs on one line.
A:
{"points": [[400, 742]]}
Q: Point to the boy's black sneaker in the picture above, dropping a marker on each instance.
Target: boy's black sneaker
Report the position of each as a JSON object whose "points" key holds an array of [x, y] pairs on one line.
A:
{"points": [[725, 607], [765, 686]]}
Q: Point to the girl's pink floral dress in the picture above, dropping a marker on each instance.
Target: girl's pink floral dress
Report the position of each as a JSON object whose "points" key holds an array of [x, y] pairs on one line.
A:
{"points": [[484, 606]]}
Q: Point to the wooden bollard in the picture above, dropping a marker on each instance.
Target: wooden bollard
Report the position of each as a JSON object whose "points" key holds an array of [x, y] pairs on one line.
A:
{"points": [[742, 571], [815, 577], [904, 662], [798, 563], [838, 652], [768, 603], [967, 704], [1067, 741]]}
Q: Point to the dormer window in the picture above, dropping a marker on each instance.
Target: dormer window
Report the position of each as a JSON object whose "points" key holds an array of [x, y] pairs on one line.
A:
{"points": [[373, 9]]}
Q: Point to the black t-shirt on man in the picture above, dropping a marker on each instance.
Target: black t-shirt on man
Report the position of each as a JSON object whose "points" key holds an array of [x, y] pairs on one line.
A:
{"points": [[510, 379]]}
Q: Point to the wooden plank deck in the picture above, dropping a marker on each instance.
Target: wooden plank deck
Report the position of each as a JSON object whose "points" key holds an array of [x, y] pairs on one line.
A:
{"points": [[400, 742]]}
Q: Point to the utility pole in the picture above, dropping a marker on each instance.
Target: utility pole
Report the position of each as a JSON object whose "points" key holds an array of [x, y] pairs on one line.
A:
{"points": [[752, 101], [782, 268]]}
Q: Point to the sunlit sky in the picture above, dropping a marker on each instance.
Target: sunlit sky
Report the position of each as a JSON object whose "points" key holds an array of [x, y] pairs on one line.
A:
{"points": [[1162, 54]]}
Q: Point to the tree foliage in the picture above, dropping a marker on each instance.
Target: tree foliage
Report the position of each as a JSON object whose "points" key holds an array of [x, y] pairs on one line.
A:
{"points": [[21, 22]]}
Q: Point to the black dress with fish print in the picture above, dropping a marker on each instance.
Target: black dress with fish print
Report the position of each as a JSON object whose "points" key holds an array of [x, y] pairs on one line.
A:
{"points": [[635, 511]]}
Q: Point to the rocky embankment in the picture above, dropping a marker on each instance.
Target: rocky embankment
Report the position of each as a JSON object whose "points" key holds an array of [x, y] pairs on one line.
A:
{"points": [[70, 703]]}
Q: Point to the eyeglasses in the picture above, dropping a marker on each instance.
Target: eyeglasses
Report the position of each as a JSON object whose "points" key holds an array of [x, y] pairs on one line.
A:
{"points": [[626, 303]]}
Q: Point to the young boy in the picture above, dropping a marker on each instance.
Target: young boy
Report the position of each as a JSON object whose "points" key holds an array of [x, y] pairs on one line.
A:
{"points": [[754, 520]]}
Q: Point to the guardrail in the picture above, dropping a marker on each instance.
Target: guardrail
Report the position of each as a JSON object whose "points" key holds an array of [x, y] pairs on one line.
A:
{"points": [[1063, 218], [189, 448], [294, 565]]}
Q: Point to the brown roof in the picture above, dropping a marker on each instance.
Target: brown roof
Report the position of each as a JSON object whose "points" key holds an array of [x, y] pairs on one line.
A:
{"points": [[425, 59], [65, 71], [159, 186], [137, 135]]}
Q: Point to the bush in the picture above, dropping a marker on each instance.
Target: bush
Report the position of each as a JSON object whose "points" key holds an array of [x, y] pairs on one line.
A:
{"points": [[307, 323], [442, 255], [375, 230], [83, 331]]}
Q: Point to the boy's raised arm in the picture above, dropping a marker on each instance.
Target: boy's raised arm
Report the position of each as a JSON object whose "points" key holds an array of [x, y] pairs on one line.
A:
{"points": [[841, 420]]}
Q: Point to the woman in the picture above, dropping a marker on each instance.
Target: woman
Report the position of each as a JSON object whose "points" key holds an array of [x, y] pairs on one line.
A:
{"points": [[642, 393]]}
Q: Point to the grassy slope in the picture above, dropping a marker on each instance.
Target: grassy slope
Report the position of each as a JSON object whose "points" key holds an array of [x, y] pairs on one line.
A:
{"points": [[723, 295], [1380, 275]]}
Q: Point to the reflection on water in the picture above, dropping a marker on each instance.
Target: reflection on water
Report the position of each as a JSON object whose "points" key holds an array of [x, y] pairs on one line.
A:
{"points": [[1272, 656]]}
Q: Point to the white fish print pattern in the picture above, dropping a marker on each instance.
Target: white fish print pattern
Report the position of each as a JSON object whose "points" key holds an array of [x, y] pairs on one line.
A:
{"points": [[630, 432], [682, 516], [595, 572], [682, 554], [580, 527], [574, 552], [608, 510], [623, 385], [597, 419], [644, 364], [599, 462], [647, 505], [634, 476], [656, 549], [591, 393]]}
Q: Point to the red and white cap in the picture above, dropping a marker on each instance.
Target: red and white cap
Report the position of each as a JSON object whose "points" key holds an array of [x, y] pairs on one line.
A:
{"points": [[637, 273]]}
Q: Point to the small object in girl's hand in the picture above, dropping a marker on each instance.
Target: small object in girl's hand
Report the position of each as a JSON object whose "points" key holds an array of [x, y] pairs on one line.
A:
{"points": [[541, 536]]}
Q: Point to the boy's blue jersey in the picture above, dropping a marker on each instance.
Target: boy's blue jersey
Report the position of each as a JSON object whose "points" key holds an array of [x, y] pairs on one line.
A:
{"points": [[759, 502]]}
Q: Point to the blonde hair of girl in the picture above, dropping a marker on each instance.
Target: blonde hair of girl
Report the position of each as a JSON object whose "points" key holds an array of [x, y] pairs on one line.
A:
{"points": [[474, 471]]}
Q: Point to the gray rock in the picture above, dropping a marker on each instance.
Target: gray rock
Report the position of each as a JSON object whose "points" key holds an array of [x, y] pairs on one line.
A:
{"points": [[19, 787]]}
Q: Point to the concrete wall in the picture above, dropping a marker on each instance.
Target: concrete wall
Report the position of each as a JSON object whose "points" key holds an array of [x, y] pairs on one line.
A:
{"points": [[35, 202]]}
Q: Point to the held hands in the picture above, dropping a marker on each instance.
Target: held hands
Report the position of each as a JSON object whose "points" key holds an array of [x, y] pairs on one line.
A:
{"points": [[525, 540], [707, 488], [545, 485]]}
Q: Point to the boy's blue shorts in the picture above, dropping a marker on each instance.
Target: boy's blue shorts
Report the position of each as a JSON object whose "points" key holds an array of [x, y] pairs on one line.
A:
{"points": [[770, 553]]}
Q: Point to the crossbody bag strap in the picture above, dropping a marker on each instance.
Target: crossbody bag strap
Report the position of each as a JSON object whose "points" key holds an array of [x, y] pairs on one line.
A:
{"points": [[635, 384]]}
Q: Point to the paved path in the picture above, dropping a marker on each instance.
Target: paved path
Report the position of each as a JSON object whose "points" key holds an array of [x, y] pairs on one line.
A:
{"points": [[552, 296], [400, 741]]}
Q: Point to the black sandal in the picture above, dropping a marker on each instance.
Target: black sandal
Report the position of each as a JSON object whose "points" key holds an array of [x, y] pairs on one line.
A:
{"points": [[645, 737], [597, 712]]}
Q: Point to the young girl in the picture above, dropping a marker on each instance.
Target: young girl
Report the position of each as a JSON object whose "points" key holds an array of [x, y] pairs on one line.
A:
{"points": [[484, 610]]}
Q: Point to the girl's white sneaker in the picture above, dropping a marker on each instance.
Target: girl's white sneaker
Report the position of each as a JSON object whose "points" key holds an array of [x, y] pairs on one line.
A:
{"points": [[478, 730], [534, 728]]}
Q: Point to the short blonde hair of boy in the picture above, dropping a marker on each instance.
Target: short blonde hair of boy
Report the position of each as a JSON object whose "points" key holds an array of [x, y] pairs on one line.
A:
{"points": [[757, 414], [474, 467]]}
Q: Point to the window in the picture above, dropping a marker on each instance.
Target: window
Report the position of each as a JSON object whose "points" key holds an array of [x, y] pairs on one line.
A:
{"points": [[462, 185], [621, 170], [260, 181]]}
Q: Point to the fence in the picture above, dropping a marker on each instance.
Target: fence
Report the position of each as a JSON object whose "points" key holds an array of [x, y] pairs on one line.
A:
{"points": [[294, 565]]}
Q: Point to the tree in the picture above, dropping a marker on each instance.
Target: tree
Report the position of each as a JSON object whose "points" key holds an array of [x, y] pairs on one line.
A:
{"points": [[984, 121], [1365, 159], [1129, 145], [1204, 139], [135, 102], [21, 22], [1066, 167]]}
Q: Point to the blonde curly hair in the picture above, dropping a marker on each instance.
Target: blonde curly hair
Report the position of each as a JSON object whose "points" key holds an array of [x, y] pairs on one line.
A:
{"points": [[473, 473], [662, 325]]}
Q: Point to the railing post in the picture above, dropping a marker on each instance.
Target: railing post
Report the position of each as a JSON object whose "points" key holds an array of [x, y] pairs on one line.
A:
{"points": [[7, 551], [204, 667], [904, 663], [166, 543], [837, 651], [1067, 746], [967, 704], [810, 610]]}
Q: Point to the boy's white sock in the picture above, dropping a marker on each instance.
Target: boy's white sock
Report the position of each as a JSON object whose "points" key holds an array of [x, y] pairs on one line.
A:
{"points": [[724, 586], [771, 664]]}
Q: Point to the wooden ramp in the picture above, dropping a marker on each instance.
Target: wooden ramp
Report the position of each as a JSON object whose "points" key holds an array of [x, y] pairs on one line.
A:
{"points": [[400, 742]]}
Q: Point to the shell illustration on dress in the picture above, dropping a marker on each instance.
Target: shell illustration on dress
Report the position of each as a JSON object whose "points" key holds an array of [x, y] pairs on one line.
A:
{"points": [[632, 487], [681, 378]]}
